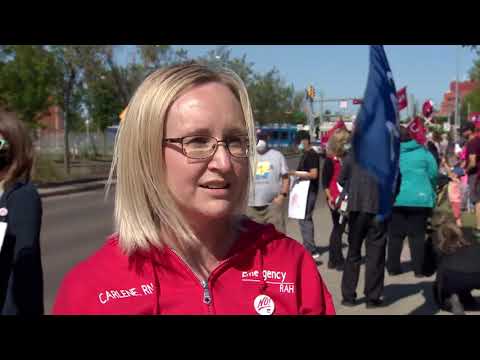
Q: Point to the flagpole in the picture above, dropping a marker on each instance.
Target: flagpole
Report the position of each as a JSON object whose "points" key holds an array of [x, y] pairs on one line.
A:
{"points": [[456, 93]]}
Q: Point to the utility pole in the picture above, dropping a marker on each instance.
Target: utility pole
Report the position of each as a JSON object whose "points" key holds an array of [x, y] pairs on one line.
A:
{"points": [[321, 109], [457, 119], [412, 105], [311, 121]]}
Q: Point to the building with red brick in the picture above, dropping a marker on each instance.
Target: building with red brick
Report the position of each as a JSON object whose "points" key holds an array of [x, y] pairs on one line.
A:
{"points": [[447, 107], [52, 120]]}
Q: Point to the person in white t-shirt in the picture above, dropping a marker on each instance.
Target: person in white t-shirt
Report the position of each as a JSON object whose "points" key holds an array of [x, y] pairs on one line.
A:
{"points": [[271, 185]]}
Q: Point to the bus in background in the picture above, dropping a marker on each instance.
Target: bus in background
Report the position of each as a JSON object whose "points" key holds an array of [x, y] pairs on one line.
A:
{"points": [[280, 136]]}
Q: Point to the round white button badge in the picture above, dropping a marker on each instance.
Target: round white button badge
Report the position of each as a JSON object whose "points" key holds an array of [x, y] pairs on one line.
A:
{"points": [[3, 212], [264, 305]]}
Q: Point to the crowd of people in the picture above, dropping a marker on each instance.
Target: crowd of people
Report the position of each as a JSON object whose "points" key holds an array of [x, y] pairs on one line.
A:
{"points": [[200, 213], [437, 182]]}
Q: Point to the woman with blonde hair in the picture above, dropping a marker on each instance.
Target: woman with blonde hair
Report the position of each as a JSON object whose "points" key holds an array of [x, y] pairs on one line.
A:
{"points": [[184, 160], [337, 147], [21, 276]]}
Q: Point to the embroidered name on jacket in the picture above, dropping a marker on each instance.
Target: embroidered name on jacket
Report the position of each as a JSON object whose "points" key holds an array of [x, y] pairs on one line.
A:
{"points": [[108, 295], [270, 277]]}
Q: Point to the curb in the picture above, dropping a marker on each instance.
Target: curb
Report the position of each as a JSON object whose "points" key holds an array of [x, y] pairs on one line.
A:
{"points": [[53, 185], [45, 193]]}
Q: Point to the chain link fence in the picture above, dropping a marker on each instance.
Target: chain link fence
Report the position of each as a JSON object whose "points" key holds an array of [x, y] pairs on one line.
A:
{"points": [[90, 156], [82, 144]]}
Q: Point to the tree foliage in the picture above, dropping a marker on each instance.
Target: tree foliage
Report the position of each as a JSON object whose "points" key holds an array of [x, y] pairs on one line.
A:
{"points": [[89, 82], [28, 77]]}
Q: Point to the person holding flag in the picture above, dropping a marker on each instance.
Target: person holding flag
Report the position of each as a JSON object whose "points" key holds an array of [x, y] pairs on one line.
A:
{"points": [[371, 174]]}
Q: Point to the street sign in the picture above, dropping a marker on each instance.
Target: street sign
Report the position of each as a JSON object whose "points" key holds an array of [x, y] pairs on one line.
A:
{"points": [[343, 104]]}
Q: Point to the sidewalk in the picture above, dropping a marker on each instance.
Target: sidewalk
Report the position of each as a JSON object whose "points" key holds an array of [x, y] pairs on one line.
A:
{"points": [[404, 294], [72, 187]]}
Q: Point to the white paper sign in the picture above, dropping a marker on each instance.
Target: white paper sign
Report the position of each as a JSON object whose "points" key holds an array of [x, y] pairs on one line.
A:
{"points": [[297, 204], [3, 230]]}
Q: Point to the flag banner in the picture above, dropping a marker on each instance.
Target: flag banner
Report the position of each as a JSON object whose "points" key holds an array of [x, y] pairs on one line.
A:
{"points": [[338, 125], [376, 140], [402, 98], [417, 130]]}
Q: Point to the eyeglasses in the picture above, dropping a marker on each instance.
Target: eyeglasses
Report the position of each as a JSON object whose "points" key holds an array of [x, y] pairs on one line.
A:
{"points": [[4, 145], [203, 147]]}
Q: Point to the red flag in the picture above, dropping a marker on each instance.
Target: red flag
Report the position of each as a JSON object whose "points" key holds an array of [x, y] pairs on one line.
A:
{"points": [[402, 98], [417, 130], [338, 125]]}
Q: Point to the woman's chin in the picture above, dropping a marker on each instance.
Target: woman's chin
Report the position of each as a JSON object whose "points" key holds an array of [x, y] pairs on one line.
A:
{"points": [[216, 211]]}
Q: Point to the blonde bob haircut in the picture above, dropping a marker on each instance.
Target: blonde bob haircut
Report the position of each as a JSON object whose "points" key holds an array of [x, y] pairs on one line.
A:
{"points": [[337, 141], [145, 212]]}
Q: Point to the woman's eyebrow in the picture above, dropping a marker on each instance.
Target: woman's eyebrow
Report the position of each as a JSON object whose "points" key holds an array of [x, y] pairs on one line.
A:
{"points": [[196, 131], [208, 131], [235, 131]]}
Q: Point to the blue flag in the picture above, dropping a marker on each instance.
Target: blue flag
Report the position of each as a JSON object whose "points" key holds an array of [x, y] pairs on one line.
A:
{"points": [[376, 140]]}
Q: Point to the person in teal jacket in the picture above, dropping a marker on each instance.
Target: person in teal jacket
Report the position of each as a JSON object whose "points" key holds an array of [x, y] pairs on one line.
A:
{"points": [[413, 205]]}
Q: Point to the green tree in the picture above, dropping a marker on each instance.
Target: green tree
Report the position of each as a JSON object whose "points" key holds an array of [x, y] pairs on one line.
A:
{"points": [[127, 78], [472, 102], [28, 76], [271, 98], [74, 62], [474, 72], [102, 103], [222, 57], [157, 56]]}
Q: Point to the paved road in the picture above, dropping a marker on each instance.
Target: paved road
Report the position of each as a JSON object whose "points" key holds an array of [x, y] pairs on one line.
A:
{"points": [[74, 226]]}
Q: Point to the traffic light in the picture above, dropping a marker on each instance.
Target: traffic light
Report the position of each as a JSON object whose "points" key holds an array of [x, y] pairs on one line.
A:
{"points": [[311, 92]]}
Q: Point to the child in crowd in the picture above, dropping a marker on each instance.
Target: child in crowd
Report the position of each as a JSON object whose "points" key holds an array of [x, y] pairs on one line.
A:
{"points": [[451, 166]]}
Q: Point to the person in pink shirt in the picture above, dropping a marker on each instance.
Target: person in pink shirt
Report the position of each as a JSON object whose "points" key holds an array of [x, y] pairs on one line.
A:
{"points": [[451, 166]]}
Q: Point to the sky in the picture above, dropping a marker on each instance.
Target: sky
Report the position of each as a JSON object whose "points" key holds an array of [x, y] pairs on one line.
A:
{"points": [[340, 71]]}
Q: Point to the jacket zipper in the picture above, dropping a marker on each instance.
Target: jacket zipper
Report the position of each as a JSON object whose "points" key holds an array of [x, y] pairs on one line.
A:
{"points": [[207, 298]]}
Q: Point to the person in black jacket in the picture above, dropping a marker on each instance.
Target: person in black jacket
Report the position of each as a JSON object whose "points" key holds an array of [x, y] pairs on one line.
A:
{"points": [[21, 276], [363, 206], [308, 169], [458, 268]]}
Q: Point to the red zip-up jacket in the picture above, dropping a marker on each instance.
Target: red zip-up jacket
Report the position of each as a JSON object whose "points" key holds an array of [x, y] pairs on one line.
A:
{"points": [[265, 273]]}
